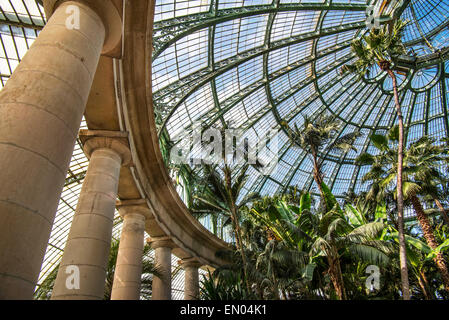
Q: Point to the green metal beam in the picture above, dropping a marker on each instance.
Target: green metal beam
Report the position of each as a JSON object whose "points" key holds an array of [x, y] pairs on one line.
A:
{"points": [[169, 98], [319, 74], [444, 91], [428, 35], [212, 116], [167, 32], [25, 22], [344, 157], [398, 12], [409, 118]]}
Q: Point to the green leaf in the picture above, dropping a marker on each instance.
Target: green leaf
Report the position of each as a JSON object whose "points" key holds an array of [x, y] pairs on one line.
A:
{"points": [[370, 230], [305, 202], [331, 201], [273, 213], [283, 211], [410, 189], [308, 272], [393, 134], [354, 215], [442, 247], [379, 141], [365, 159], [369, 254], [381, 211], [413, 257], [418, 244]]}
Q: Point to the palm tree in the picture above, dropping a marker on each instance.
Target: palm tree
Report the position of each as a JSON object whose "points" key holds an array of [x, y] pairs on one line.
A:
{"points": [[334, 236], [317, 137], [419, 170], [423, 158], [222, 193], [44, 290], [187, 178], [417, 251], [280, 265], [326, 234], [380, 47], [426, 157], [200, 208], [224, 286]]}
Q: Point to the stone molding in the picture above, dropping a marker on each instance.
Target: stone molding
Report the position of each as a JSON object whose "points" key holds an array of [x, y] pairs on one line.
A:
{"points": [[114, 140]]}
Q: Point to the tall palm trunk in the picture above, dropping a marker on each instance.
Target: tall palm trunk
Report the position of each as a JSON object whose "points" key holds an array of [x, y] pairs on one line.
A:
{"points": [[400, 195], [430, 239], [236, 225], [335, 274], [442, 211], [317, 177], [239, 244]]}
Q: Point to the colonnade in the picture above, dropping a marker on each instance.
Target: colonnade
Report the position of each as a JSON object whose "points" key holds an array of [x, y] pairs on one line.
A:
{"points": [[41, 107], [90, 235]]}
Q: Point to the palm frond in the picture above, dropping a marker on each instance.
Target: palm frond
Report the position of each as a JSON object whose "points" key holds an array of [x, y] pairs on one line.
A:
{"points": [[369, 254], [345, 143], [379, 141]]}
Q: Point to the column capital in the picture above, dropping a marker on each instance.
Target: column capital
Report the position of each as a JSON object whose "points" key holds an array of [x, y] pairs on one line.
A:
{"points": [[190, 262], [161, 242], [115, 140], [134, 206], [110, 15]]}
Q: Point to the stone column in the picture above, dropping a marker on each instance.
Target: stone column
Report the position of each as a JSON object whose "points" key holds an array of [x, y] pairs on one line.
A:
{"points": [[82, 271], [41, 108], [191, 280], [162, 285], [128, 270]]}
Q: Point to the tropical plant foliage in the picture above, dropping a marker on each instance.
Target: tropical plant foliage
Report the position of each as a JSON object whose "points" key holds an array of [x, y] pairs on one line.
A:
{"points": [[318, 137], [381, 46], [420, 176], [296, 249]]}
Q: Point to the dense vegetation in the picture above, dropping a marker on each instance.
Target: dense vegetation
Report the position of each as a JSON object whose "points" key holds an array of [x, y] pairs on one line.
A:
{"points": [[299, 245]]}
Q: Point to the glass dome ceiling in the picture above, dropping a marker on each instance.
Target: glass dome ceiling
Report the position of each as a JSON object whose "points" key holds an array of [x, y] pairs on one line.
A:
{"points": [[252, 64]]}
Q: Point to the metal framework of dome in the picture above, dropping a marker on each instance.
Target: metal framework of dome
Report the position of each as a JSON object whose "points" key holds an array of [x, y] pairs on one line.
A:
{"points": [[256, 63]]}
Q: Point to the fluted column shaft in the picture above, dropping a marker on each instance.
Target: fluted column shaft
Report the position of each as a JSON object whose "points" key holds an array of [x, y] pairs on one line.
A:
{"points": [[128, 270], [90, 235], [162, 285], [41, 108]]}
